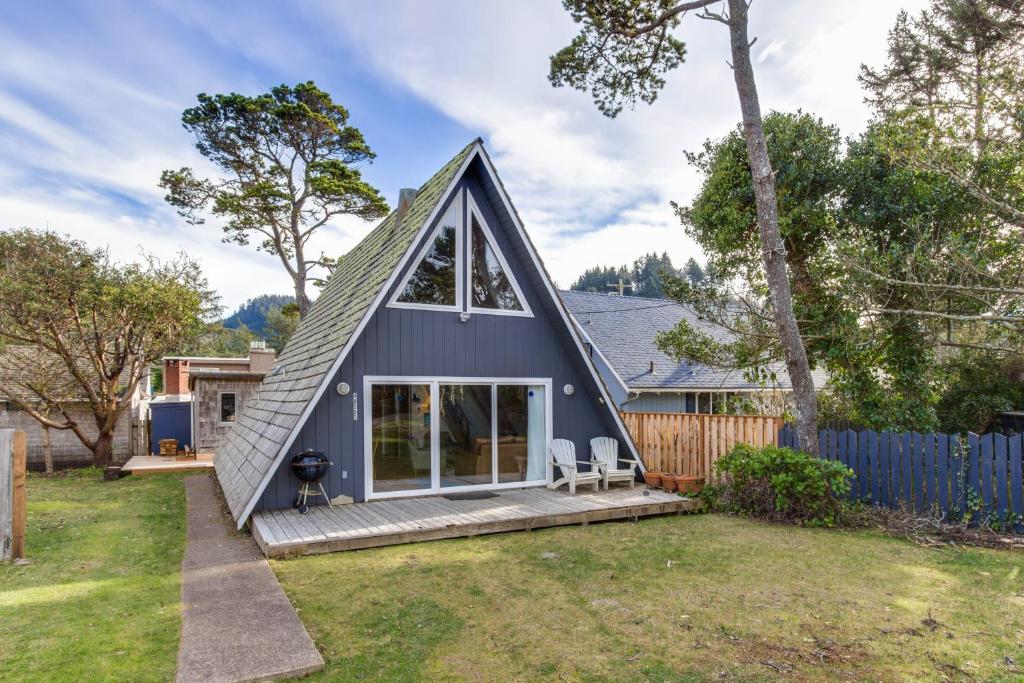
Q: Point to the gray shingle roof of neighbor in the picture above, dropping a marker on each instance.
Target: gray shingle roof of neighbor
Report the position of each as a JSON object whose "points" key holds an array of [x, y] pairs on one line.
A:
{"points": [[623, 328], [264, 428], [23, 367]]}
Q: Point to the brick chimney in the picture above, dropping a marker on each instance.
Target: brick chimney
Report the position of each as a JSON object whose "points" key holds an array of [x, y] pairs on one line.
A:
{"points": [[261, 359], [175, 376]]}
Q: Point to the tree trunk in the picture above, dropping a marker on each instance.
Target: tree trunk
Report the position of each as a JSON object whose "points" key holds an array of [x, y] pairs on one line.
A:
{"points": [[102, 450], [773, 250], [47, 451], [301, 300]]}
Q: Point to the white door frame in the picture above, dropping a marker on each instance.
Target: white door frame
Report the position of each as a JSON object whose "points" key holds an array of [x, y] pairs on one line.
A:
{"points": [[435, 434]]}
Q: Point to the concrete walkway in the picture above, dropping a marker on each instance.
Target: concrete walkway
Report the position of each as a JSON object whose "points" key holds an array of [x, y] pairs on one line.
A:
{"points": [[237, 625]]}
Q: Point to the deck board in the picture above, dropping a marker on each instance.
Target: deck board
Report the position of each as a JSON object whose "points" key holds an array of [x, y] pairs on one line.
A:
{"points": [[156, 464], [282, 533]]}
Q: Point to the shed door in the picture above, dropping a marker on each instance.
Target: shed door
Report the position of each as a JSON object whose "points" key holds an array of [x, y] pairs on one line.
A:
{"points": [[170, 421]]}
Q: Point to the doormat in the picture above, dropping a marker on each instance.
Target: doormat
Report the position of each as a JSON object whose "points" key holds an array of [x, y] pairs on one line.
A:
{"points": [[470, 495]]}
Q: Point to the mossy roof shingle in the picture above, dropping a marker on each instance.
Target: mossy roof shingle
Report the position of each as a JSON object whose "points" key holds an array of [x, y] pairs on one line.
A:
{"points": [[251, 452]]}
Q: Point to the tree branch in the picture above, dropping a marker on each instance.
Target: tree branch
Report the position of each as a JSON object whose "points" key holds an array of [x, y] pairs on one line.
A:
{"points": [[941, 286], [664, 18], [952, 316]]}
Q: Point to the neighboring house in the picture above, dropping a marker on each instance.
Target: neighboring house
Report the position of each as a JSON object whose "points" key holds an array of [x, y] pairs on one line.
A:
{"points": [[438, 359], [217, 398], [203, 395], [620, 333], [22, 367]]}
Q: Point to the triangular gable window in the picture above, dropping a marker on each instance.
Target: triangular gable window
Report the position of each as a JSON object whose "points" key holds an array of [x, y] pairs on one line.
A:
{"points": [[435, 280], [461, 268], [491, 284]]}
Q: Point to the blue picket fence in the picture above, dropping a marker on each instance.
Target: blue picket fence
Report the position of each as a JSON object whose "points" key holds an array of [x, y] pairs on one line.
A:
{"points": [[953, 473]]}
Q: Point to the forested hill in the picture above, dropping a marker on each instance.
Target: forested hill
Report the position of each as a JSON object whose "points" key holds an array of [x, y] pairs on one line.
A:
{"points": [[253, 313]]}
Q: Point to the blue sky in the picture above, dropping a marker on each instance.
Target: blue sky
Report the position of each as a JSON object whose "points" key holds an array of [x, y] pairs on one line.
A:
{"points": [[91, 96]]}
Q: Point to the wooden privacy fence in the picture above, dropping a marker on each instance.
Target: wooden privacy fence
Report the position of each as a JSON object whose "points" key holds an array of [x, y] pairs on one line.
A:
{"points": [[690, 443], [956, 474], [12, 494]]}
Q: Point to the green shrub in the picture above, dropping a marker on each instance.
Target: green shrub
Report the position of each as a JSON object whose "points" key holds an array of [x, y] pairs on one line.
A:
{"points": [[780, 484]]}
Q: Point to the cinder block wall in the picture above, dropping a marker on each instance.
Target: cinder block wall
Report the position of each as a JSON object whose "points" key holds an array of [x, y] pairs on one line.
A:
{"points": [[209, 431], [67, 450]]}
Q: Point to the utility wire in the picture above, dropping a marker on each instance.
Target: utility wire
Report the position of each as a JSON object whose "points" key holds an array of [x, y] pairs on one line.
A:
{"points": [[624, 310]]}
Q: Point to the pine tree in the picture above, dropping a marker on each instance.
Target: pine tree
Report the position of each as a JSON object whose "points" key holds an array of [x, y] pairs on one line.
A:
{"points": [[952, 93], [598, 278], [693, 272]]}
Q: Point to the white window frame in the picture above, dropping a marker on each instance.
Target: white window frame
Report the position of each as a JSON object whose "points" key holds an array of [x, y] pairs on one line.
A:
{"points": [[474, 210], [460, 275], [220, 408], [435, 434]]}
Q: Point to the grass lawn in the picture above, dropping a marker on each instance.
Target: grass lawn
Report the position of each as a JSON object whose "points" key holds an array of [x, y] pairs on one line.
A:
{"points": [[101, 599], [669, 599]]}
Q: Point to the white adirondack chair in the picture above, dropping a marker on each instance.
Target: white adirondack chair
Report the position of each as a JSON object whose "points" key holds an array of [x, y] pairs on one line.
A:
{"points": [[604, 451], [563, 453]]}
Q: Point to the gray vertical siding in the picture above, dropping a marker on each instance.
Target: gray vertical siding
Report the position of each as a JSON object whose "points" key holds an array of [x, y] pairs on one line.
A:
{"points": [[684, 402], [434, 343], [618, 392]]}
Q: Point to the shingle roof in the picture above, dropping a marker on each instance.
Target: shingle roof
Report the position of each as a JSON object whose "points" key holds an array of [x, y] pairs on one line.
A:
{"points": [[217, 373], [623, 330], [249, 455]]}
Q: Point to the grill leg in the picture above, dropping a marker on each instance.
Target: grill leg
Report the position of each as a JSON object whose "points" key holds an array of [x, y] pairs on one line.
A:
{"points": [[303, 498], [326, 497]]}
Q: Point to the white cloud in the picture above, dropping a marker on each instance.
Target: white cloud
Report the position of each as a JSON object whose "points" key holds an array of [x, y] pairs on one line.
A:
{"points": [[772, 49], [99, 117], [578, 178], [82, 146]]}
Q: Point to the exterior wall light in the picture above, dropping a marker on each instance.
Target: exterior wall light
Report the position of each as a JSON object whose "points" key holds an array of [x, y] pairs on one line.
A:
{"points": [[343, 388], [568, 390]]}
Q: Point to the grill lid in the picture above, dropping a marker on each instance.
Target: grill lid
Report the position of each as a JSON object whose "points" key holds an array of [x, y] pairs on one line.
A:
{"points": [[310, 465]]}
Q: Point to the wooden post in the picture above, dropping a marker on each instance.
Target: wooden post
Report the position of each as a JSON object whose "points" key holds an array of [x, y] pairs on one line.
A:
{"points": [[12, 494], [19, 497]]}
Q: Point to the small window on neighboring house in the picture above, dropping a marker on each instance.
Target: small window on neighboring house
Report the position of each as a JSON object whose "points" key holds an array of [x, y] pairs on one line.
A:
{"points": [[434, 282], [227, 407]]}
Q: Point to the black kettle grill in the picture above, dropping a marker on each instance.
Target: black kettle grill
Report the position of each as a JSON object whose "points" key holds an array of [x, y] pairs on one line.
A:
{"points": [[310, 467]]}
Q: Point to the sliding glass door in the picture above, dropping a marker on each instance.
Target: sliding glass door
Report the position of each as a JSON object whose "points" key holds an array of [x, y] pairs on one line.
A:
{"points": [[400, 449], [427, 435], [521, 442], [465, 434]]}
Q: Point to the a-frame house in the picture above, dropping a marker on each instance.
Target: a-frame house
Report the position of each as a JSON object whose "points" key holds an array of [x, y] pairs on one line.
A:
{"points": [[439, 358]]}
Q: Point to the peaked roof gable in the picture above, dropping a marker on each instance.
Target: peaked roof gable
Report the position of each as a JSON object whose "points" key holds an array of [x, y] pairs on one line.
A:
{"points": [[267, 428], [559, 305]]}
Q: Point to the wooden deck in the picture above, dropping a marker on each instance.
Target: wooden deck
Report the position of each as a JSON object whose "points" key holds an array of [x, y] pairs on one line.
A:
{"points": [[282, 533], [156, 464]]}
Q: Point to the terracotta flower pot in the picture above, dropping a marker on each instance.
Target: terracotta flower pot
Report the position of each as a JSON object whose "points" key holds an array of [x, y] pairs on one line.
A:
{"points": [[653, 479], [690, 485], [668, 482]]}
